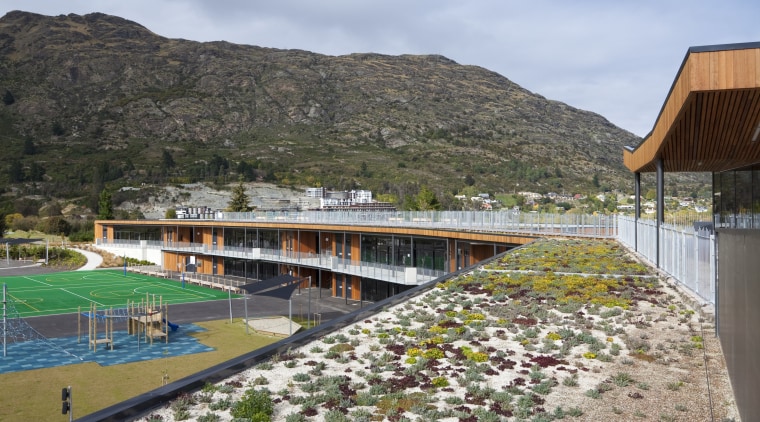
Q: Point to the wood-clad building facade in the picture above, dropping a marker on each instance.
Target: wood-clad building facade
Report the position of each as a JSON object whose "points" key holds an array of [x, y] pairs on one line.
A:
{"points": [[353, 262], [710, 122]]}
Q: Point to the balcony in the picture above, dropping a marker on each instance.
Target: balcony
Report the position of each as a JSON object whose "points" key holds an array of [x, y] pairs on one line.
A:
{"points": [[411, 276]]}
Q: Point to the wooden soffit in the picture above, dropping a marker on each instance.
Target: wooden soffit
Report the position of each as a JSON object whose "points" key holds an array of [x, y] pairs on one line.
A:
{"points": [[710, 121]]}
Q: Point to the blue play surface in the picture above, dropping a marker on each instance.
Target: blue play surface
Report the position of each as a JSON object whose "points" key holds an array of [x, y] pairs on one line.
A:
{"points": [[52, 352]]}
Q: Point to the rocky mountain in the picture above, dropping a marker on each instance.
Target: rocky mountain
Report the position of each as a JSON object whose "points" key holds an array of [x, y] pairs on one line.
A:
{"points": [[97, 100]]}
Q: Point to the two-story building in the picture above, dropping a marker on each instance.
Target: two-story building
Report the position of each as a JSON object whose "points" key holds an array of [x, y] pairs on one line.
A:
{"points": [[352, 261]]}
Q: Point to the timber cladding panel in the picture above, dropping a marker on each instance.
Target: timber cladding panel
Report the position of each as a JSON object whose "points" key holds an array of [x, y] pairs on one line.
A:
{"points": [[308, 242], [709, 117], [482, 252]]}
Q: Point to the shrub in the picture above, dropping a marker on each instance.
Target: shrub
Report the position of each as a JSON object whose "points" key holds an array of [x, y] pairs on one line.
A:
{"points": [[295, 417], [622, 379], [301, 377], [256, 405], [433, 354], [222, 404], [209, 417], [439, 382]]}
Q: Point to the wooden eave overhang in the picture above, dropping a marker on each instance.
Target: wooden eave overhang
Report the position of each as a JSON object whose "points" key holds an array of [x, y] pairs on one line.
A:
{"points": [[710, 121], [473, 236]]}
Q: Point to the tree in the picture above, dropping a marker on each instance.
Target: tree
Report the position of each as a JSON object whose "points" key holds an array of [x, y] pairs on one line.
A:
{"points": [[58, 129], [409, 203], [426, 200], [11, 219], [29, 147], [167, 161], [239, 200], [8, 98], [363, 170], [16, 172], [610, 203], [170, 213], [105, 205], [246, 170], [36, 172], [55, 225]]}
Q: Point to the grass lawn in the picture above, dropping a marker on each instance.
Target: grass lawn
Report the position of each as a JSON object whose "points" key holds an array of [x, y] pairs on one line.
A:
{"points": [[36, 394]]}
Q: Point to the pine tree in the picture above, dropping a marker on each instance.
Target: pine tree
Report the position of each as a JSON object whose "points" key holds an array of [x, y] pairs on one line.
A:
{"points": [[167, 162], [16, 172], [8, 98], [29, 147], [105, 205], [239, 200]]}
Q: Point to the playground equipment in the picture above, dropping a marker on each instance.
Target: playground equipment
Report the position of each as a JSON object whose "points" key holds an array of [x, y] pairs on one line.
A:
{"points": [[150, 320], [146, 318], [92, 328]]}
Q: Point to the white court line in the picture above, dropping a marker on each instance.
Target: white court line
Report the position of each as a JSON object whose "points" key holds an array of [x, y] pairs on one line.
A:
{"points": [[41, 282], [173, 287], [87, 299]]}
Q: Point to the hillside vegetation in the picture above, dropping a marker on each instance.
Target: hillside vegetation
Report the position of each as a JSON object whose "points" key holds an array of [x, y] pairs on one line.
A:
{"points": [[96, 100]]}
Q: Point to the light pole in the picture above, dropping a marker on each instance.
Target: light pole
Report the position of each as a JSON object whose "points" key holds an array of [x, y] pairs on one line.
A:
{"points": [[245, 300], [181, 269]]}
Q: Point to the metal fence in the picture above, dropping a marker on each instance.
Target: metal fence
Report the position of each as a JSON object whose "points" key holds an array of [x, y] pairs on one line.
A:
{"points": [[601, 225], [687, 254]]}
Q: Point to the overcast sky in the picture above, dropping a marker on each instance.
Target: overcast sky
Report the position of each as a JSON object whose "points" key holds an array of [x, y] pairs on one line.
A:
{"points": [[615, 58]]}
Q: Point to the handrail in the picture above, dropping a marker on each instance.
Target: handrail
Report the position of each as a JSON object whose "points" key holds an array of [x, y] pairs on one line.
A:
{"points": [[601, 225]]}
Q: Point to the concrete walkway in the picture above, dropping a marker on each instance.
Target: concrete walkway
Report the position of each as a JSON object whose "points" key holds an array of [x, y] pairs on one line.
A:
{"points": [[93, 260]]}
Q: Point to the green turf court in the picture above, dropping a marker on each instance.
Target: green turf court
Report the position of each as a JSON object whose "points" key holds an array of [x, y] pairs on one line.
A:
{"points": [[66, 292]]}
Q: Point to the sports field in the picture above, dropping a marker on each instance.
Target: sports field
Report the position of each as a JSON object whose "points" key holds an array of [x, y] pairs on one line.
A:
{"points": [[67, 292]]}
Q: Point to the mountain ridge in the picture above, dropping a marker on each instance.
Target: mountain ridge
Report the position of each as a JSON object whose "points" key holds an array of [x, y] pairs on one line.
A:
{"points": [[122, 105]]}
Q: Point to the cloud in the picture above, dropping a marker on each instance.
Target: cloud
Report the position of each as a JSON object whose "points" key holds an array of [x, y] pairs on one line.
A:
{"points": [[617, 59]]}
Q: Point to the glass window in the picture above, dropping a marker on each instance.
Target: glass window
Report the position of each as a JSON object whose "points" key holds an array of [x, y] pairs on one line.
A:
{"points": [[727, 199], [716, 199], [430, 253], [743, 209], [736, 198], [137, 233], [377, 249]]}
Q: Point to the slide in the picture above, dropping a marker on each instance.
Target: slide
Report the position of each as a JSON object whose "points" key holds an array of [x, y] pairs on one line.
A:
{"points": [[174, 327]]}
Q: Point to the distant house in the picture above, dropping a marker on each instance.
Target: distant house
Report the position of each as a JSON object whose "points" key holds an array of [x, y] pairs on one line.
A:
{"points": [[347, 200], [315, 192], [530, 195]]}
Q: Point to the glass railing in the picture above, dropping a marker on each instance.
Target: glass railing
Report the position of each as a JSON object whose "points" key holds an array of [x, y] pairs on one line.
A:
{"points": [[385, 272], [601, 225]]}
